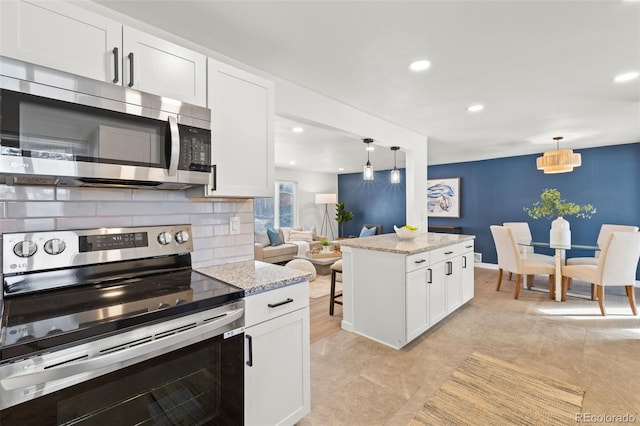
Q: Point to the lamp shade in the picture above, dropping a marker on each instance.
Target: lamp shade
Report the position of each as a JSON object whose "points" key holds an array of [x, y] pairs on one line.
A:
{"points": [[326, 198]]}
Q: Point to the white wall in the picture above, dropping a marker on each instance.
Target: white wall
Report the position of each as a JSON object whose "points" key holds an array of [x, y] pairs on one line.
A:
{"points": [[309, 184]]}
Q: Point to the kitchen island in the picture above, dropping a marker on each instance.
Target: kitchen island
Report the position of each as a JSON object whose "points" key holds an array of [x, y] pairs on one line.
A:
{"points": [[394, 290]]}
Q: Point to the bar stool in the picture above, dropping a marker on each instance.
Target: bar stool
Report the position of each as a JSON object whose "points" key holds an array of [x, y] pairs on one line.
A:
{"points": [[336, 269]]}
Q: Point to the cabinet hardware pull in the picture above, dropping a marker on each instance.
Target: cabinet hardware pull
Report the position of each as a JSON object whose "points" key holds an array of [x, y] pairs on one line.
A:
{"points": [[464, 261], [284, 302], [468, 246], [116, 75], [448, 252], [250, 340], [214, 172], [449, 268], [130, 69], [420, 261], [430, 276]]}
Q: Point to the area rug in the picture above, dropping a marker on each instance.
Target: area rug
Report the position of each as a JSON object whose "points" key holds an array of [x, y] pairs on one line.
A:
{"points": [[488, 391], [321, 286]]}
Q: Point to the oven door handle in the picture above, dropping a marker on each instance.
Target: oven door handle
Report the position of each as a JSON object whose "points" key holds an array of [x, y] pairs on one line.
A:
{"points": [[175, 145], [105, 363]]}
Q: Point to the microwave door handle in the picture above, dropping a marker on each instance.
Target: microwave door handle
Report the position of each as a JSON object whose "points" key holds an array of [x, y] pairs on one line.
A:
{"points": [[175, 146], [114, 360]]}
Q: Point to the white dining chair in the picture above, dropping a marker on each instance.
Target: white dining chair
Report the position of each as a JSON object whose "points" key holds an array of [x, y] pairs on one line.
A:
{"points": [[605, 230], [511, 260], [522, 232], [616, 267]]}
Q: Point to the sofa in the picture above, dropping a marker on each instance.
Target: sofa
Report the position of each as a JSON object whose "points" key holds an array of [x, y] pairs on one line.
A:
{"points": [[292, 242]]}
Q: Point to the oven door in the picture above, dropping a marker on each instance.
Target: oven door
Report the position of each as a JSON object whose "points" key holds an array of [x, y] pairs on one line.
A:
{"points": [[201, 382]]}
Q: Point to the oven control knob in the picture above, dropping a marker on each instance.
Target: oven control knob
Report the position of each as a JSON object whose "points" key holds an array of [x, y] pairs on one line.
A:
{"points": [[163, 305], [182, 237], [54, 246], [25, 248], [164, 238]]}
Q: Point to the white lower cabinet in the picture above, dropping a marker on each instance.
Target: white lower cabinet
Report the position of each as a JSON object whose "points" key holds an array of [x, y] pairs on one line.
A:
{"points": [[466, 266], [437, 296], [277, 370]]}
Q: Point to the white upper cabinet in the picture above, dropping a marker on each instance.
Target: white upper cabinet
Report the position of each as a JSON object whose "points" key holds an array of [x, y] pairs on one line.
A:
{"points": [[242, 108], [61, 36], [154, 65], [65, 37]]}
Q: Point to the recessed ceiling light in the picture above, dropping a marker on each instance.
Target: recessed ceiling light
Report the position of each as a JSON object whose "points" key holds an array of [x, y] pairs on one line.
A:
{"points": [[292, 162], [341, 169], [419, 65], [626, 77], [475, 108], [297, 129]]}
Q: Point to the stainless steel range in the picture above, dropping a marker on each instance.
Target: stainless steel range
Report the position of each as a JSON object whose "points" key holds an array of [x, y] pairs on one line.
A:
{"points": [[112, 326]]}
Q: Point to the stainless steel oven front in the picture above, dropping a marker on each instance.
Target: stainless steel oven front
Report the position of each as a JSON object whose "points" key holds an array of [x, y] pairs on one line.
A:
{"points": [[61, 129], [113, 326]]}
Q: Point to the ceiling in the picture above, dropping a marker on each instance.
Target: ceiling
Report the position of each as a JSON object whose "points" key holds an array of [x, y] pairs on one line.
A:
{"points": [[540, 68]]}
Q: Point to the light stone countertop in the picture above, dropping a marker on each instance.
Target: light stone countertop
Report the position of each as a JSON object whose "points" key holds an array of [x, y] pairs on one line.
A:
{"points": [[255, 277], [394, 244]]}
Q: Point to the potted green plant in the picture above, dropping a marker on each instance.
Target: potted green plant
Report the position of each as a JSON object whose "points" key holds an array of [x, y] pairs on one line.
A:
{"points": [[551, 205], [342, 215], [325, 245]]}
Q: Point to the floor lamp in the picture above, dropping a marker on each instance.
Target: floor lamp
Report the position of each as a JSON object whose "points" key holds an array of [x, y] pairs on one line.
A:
{"points": [[326, 199]]}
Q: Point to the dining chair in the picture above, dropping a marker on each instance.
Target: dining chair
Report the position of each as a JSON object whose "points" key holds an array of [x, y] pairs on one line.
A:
{"points": [[605, 230], [616, 267], [522, 233], [511, 260]]}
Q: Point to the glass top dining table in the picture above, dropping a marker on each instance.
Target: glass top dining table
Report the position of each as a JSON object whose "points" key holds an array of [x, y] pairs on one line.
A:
{"points": [[559, 258]]}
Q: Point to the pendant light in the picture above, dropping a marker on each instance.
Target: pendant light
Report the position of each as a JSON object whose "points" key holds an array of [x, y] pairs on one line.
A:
{"points": [[368, 168], [395, 173], [558, 161]]}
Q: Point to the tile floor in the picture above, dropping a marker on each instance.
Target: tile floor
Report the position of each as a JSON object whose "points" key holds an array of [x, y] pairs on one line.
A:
{"points": [[355, 381]]}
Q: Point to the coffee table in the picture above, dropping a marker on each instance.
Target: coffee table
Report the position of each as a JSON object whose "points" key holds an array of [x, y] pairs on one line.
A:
{"points": [[322, 264]]}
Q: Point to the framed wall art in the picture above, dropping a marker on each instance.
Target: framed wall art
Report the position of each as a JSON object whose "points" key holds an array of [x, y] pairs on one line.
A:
{"points": [[443, 197]]}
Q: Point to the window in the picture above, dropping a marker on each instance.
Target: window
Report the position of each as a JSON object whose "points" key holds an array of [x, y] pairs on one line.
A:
{"points": [[269, 213]]}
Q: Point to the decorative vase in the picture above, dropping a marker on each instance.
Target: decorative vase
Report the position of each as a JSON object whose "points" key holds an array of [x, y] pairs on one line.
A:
{"points": [[560, 234]]}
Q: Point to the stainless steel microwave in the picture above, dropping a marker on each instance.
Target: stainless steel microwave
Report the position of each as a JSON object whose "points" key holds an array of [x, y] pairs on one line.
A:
{"points": [[62, 129]]}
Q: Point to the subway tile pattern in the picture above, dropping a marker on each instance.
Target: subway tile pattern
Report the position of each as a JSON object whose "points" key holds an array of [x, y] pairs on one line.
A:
{"points": [[34, 208]]}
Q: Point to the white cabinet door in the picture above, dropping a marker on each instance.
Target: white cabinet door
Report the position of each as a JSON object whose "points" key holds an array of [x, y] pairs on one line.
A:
{"points": [[151, 64], [277, 373], [417, 303], [242, 108], [437, 293], [467, 277], [452, 274], [62, 36]]}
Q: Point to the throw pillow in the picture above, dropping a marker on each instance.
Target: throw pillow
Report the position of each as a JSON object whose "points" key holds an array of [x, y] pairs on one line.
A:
{"points": [[312, 229], [367, 232], [301, 236], [274, 237], [262, 238], [287, 230]]}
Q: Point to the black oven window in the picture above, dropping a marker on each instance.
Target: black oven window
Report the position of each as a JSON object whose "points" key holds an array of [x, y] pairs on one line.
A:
{"points": [[197, 385]]}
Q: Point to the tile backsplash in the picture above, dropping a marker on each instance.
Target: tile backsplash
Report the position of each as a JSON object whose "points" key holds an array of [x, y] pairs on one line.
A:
{"points": [[33, 208]]}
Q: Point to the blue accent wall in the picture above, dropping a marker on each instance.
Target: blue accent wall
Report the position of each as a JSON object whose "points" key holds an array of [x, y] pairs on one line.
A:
{"points": [[376, 201], [495, 191]]}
